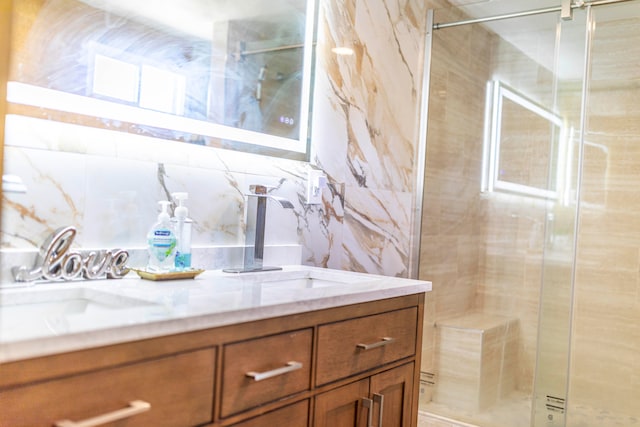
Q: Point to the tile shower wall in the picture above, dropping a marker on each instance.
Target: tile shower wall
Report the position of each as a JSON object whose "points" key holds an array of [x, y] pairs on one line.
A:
{"points": [[364, 136]]}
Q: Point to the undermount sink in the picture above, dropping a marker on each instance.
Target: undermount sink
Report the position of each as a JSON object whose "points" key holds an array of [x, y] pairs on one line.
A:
{"points": [[275, 287], [304, 282], [306, 279], [64, 301], [30, 312]]}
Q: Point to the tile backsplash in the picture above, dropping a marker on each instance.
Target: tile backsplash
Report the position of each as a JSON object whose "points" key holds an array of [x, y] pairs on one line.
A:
{"points": [[107, 183]]}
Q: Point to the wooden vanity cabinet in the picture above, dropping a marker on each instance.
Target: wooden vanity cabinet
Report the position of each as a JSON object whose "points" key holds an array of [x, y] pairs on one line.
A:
{"points": [[382, 400], [364, 344], [356, 365]]}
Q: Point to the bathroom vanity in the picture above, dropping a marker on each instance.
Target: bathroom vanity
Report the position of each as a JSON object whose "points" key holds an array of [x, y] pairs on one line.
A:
{"points": [[299, 347]]}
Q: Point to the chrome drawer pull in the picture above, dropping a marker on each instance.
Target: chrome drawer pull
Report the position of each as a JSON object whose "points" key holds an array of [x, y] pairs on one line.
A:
{"points": [[259, 376], [385, 341], [135, 407]]}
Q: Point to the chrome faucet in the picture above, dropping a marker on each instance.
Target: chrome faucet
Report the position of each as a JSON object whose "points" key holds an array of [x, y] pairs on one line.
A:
{"points": [[256, 213]]}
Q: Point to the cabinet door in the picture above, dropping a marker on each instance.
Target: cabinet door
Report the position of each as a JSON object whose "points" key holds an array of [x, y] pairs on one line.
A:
{"points": [[296, 415], [392, 393], [346, 406]]}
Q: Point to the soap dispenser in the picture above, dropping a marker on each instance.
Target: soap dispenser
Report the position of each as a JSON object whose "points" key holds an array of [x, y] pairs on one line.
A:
{"points": [[182, 225], [162, 241]]}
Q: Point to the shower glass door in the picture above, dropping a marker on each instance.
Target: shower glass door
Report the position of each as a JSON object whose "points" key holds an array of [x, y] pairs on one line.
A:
{"points": [[557, 280], [604, 380], [499, 216]]}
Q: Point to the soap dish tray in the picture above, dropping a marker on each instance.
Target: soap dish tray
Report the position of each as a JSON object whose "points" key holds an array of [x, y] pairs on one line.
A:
{"points": [[171, 275]]}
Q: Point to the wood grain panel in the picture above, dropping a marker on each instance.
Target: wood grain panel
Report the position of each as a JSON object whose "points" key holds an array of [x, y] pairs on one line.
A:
{"points": [[240, 392], [338, 352], [179, 389], [296, 415]]}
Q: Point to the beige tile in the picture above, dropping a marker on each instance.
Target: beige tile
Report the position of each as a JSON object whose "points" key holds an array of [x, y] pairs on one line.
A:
{"points": [[473, 368]]}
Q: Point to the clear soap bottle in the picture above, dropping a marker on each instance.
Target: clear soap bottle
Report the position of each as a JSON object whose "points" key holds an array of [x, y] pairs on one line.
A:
{"points": [[161, 240], [182, 224]]}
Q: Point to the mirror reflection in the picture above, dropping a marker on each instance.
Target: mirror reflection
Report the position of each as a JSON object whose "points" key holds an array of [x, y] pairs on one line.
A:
{"points": [[525, 145], [232, 74]]}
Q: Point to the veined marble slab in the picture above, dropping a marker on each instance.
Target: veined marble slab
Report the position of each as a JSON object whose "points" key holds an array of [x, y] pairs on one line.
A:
{"points": [[133, 309]]}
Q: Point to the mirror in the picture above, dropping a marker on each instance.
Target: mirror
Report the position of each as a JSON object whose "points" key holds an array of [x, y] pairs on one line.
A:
{"points": [[525, 148], [224, 73]]}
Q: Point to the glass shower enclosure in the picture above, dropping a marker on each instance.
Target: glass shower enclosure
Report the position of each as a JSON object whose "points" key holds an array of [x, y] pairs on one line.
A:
{"points": [[530, 232]]}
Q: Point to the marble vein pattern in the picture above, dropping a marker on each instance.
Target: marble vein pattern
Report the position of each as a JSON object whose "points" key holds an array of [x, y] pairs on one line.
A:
{"points": [[107, 182], [368, 101]]}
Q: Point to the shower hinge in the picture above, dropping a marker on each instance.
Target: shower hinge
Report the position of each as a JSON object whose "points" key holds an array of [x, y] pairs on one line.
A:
{"points": [[555, 404], [566, 12], [427, 378]]}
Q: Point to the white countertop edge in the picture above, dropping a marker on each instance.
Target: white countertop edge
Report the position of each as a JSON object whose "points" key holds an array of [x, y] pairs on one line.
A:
{"points": [[19, 350]]}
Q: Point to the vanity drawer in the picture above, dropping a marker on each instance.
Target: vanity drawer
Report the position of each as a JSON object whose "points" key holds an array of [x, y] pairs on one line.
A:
{"points": [[294, 415], [178, 388], [265, 369], [352, 346]]}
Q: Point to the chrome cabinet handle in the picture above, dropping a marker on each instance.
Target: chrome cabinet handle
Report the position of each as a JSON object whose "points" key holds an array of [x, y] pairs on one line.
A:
{"points": [[385, 341], [380, 400], [259, 376], [135, 407], [368, 403]]}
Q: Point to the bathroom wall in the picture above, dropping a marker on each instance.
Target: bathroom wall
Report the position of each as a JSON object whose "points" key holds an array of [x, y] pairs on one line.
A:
{"points": [[365, 122]]}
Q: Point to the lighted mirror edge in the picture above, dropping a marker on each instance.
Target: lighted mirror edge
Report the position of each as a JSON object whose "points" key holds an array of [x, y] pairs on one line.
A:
{"points": [[496, 90], [308, 65], [35, 96]]}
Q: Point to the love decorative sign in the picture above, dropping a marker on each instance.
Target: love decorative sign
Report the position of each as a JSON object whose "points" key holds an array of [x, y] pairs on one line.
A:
{"points": [[56, 261]]}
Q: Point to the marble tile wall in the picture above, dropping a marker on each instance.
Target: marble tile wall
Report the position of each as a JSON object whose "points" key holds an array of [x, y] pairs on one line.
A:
{"points": [[364, 137]]}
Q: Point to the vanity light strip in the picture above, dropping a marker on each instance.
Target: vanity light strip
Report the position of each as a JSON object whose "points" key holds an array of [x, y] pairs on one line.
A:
{"points": [[35, 96]]}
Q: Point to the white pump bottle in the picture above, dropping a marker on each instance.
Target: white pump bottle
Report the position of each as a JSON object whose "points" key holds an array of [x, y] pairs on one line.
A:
{"points": [[182, 224]]}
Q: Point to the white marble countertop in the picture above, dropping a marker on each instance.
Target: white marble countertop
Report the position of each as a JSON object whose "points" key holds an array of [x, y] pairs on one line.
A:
{"points": [[103, 312]]}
